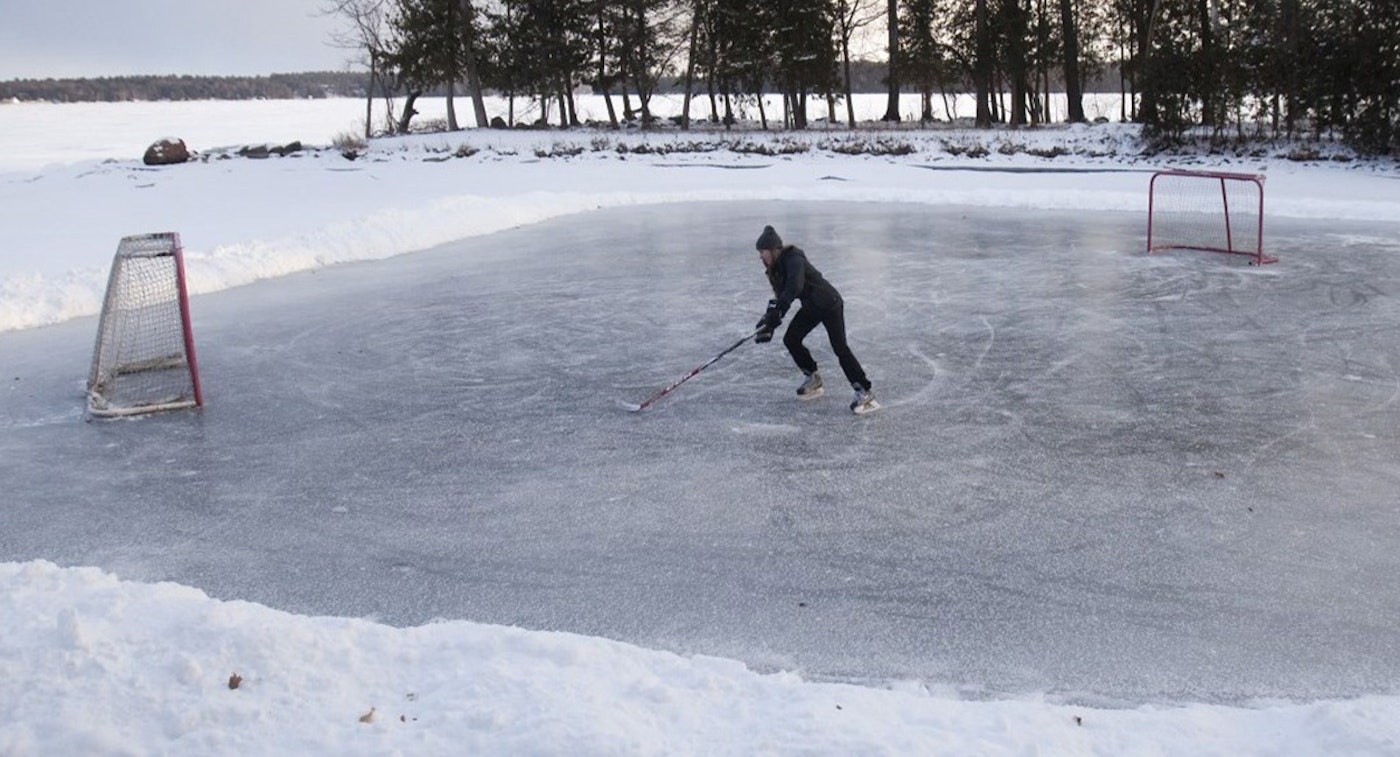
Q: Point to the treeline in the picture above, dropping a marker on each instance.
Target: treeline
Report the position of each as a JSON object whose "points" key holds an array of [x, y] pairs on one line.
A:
{"points": [[1220, 70], [867, 76], [1228, 69], [124, 88]]}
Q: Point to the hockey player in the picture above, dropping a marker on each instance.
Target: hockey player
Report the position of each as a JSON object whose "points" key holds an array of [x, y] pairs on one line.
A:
{"points": [[793, 277]]}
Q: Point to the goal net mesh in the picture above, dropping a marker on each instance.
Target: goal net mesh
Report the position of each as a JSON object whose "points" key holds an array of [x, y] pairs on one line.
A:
{"points": [[1217, 212], [144, 357]]}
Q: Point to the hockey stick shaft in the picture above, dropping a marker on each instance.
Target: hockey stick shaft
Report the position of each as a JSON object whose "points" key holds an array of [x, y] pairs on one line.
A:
{"points": [[653, 398]]}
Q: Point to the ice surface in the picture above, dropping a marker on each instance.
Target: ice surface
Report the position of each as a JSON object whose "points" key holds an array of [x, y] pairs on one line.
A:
{"points": [[1100, 474]]}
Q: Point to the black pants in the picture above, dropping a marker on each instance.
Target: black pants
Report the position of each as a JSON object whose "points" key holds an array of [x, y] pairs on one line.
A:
{"points": [[834, 320]]}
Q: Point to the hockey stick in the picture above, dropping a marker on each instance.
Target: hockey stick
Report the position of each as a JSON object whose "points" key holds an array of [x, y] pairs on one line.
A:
{"points": [[649, 400]]}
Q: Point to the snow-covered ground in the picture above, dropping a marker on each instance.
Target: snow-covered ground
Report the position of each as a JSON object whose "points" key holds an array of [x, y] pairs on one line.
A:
{"points": [[90, 664]]}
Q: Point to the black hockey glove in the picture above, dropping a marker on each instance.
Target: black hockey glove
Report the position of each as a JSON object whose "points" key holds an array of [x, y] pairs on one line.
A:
{"points": [[772, 317]]}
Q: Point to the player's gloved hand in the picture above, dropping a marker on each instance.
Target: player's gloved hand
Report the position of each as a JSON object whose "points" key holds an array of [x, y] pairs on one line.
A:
{"points": [[763, 336], [772, 317]]}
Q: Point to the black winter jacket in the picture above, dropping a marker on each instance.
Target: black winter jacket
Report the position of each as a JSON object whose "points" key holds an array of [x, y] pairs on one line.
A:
{"points": [[794, 278]]}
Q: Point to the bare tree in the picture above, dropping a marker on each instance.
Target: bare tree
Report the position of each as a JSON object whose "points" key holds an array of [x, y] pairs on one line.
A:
{"points": [[368, 22], [851, 16]]}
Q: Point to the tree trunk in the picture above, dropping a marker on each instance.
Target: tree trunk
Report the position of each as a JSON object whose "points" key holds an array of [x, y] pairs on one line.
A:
{"points": [[1146, 87], [473, 72], [846, 84], [453, 74], [799, 109], [1015, 22], [612, 112], [1074, 84], [406, 118], [603, 84], [1210, 56], [451, 108], [690, 66], [369, 94], [982, 67], [892, 103]]}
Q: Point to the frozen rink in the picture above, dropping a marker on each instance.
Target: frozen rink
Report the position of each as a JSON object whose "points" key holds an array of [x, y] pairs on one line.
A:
{"points": [[1104, 475]]}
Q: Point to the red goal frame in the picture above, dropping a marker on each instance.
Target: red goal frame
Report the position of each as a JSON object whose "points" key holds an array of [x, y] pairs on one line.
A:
{"points": [[1224, 239]]}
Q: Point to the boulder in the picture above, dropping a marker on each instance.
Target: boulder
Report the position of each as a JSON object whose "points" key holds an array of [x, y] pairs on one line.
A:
{"points": [[165, 152]]}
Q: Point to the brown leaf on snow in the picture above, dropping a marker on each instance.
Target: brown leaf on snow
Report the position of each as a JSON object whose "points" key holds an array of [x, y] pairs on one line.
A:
{"points": [[234, 681], [368, 717]]}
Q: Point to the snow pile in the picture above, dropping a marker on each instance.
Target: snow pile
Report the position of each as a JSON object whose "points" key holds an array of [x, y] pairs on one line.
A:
{"points": [[90, 664]]}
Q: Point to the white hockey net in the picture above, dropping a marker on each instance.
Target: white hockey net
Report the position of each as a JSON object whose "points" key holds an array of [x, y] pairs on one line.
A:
{"points": [[144, 358], [1202, 210]]}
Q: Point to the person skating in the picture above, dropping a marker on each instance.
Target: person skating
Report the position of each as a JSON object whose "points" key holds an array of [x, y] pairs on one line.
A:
{"points": [[794, 278]]}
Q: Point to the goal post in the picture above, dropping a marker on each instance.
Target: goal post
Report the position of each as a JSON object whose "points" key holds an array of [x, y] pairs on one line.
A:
{"points": [[1213, 211], [144, 359]]}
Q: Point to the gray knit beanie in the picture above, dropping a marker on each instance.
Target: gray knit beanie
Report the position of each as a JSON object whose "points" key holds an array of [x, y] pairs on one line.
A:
{"points": [[769, 240]]}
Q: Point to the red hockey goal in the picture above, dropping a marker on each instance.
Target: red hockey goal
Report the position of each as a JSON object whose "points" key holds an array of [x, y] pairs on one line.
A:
{"points": [[1207, 210]]}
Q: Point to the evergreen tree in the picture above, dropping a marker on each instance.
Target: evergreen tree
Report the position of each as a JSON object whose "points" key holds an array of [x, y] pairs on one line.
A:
{"points": [[921, 53], [425, 50], [804, 54]]}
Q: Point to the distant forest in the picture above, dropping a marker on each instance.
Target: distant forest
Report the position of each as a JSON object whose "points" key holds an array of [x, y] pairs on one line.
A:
{"points": [[122, 88], [866, 77]]}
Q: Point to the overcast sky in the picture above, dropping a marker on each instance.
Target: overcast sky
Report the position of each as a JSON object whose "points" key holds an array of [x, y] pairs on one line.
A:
{"points": [[42, 39]]}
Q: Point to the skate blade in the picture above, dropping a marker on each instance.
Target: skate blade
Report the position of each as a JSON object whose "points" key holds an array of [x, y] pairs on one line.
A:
{"points": [[810, 395], [866, 409]]}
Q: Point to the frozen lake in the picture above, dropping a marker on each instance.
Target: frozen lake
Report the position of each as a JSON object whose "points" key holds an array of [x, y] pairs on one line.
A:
{"points": [[1110, 476]]}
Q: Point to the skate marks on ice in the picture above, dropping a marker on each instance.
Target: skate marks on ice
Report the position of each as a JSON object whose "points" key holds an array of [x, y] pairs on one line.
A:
{"points": [[757, 429], [21, 421], [1039, 514]]}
